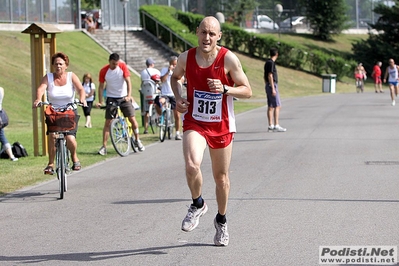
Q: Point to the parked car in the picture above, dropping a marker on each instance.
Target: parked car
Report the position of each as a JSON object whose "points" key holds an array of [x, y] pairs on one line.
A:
{"points": [[294, 22], [264, 22]]}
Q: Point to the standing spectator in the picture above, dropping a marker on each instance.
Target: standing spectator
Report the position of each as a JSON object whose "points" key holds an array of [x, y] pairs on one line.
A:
{"points": [[5, 145], [214, 76], [376, 75], [149, 73], [273, 96], [392, 71], [90, 24], [116, 75], [90, 90], [61, 86], [166, 91]]}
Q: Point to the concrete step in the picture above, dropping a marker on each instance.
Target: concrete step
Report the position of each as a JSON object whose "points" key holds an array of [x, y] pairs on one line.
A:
{"points": [[140, 45]]}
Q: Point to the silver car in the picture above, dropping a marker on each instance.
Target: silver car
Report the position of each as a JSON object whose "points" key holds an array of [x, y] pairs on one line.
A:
{"points": [[264, 22]]}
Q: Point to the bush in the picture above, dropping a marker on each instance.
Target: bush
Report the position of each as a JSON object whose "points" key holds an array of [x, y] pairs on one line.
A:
{"points": [[184, 24]]}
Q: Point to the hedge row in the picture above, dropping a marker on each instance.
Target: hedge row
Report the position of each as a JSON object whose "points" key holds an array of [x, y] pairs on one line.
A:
{"points": [[256, 45]]}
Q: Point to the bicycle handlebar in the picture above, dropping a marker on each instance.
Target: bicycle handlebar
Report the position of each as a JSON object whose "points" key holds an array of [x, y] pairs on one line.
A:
{"points": [[77, 102]]}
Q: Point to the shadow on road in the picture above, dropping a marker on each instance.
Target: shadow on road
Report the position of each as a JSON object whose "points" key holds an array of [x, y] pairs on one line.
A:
{"points": [[97, 256]]}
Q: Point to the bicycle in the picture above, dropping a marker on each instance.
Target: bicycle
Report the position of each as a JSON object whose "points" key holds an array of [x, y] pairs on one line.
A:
{"points": [[149, 90], [62, 154], [166, 120], [152, 115], [121, 132]]}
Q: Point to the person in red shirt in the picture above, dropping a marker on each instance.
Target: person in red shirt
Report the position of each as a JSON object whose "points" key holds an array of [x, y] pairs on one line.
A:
{"points": [[376, 74], [214, 76]]}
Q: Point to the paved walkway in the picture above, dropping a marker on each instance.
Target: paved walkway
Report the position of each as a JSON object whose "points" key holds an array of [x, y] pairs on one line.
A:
{"points": [[331, 179]]}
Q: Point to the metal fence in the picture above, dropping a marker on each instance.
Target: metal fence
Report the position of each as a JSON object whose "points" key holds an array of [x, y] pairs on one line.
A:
{"points": [[43, 11], [112, 11], [360, 12]]}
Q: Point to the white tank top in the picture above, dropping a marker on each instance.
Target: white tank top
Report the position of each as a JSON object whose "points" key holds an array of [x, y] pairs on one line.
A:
{"points": [[393, 74], [88, 88], [59, 96]]}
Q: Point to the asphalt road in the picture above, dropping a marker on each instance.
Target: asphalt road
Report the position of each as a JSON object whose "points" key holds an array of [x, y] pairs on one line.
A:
{"points": [[330, 180]]}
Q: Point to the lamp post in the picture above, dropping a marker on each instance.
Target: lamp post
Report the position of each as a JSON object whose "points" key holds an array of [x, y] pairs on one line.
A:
{"points": [[279, 10], [124, 3]]}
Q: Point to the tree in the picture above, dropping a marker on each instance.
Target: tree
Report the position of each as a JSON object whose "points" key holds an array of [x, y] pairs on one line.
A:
{"points": [[326, 18], [234, 11], [385, 44], [90, 4]]}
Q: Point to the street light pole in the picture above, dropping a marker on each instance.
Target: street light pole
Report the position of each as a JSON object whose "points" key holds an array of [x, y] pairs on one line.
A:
{"points": [[279, 10], [124, 3]]}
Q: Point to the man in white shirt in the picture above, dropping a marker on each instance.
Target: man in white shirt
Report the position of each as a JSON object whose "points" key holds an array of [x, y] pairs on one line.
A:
{"points": [[149, 73], [116, 75], [166, 91]]}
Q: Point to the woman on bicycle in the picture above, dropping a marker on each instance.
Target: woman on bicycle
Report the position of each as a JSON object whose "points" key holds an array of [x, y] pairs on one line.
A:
{"points": [[61, 86], [360, 74]]}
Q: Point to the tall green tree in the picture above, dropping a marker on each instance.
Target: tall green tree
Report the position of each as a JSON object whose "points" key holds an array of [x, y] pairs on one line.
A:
{"points": [[385, 44], [326, 18], [90, 4]]}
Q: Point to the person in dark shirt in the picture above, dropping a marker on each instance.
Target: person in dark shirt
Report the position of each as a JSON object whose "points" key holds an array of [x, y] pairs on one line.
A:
{"points": [[273, 96]]}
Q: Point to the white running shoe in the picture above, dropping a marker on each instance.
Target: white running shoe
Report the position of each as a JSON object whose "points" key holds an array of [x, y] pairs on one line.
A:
{"points": [[278, 128], [270, 128], [222, 236], [102, 151], [178, 136], [393, 103], [191, 220], [140, 145]]}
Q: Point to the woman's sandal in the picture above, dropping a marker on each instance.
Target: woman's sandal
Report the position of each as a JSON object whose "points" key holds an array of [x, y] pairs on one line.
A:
{"points": [[76, 166], [49, 170]]}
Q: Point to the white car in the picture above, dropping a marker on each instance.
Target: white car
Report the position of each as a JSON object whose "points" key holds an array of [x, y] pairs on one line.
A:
{"points": [[297, 21], [264, 22]]}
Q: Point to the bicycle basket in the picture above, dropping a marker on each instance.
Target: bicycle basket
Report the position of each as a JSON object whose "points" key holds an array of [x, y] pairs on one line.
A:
{"points": [[65, 120]]}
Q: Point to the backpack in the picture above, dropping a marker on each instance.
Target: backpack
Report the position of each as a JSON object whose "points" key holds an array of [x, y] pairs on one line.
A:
{"points": [[4, 155], [18, 150]]}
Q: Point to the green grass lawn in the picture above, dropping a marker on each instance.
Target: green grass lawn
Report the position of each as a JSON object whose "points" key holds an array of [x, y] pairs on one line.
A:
{"points": [[87, 56]]}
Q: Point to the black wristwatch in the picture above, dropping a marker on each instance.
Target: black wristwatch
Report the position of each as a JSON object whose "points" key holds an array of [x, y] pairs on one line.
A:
{"points": [[225, 90]]}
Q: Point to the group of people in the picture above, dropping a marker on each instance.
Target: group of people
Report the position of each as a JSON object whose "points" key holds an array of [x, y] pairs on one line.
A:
{"points": [[214, 77], [91, 25], [391, 76], [162, 81]]}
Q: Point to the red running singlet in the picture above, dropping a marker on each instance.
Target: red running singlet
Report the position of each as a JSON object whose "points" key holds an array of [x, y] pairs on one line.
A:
{"points": [[210, 114]]}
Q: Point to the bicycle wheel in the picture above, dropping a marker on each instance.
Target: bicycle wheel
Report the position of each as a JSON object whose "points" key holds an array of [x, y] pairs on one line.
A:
{"points": [[152, 116], [61, 165], [162, 126], [67, 167], [119, 136], [171, 123]]}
